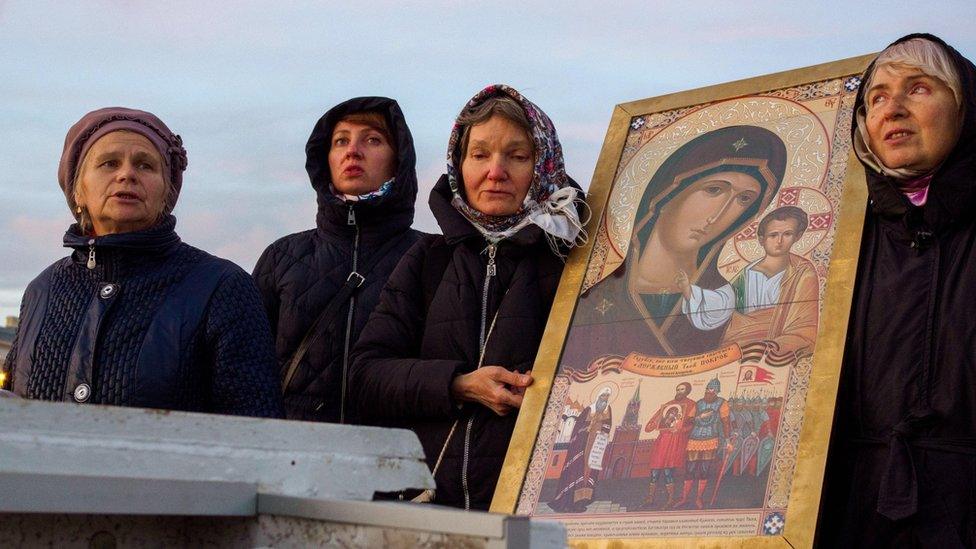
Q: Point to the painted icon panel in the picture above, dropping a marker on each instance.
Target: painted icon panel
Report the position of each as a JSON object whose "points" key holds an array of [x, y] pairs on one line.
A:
{"points": [[678, 397]]}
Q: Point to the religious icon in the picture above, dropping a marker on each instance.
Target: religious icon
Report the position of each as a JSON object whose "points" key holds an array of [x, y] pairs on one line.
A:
{"points": [[696, 321]]}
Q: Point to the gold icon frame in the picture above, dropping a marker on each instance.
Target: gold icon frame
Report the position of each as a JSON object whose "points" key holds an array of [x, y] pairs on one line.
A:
{"points": [[804, 498]]}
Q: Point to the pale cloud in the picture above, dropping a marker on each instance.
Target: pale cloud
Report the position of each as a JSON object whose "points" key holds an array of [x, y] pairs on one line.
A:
{"points": [[31, 243], [10, 302], [241, 249], [244, 84]]}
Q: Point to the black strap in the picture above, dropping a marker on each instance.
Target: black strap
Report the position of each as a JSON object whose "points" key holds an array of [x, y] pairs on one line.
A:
{"points": [[898, 493], [328, 316]]}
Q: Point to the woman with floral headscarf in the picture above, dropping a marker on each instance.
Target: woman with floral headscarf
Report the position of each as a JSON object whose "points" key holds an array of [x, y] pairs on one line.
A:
{"points": [[448, 349], [902, 465]]}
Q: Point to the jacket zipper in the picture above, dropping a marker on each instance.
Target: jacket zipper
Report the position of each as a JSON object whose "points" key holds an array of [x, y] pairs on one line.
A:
{"points": [[107, 275], [91, 254], [351, 220], [490, 271]]}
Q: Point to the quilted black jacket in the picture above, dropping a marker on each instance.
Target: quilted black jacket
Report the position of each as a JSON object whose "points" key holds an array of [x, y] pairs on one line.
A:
{"points": [[299, 274], [408, 354], [156, 323]]}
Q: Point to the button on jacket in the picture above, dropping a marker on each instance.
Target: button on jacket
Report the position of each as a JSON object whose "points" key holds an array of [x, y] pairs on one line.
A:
{"points": [[156, 323]]}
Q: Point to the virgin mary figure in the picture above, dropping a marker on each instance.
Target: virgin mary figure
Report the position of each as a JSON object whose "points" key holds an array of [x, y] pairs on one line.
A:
{"points": [[706, 191]]}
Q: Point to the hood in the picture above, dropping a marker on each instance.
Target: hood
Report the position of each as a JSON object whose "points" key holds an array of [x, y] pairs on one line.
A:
{"points": [[952, 195], [391, 211]]}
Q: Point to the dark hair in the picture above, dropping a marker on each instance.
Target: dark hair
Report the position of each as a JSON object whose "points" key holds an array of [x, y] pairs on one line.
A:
{"points": [[503, 106], [763, 158], [371, 119], [782, 214]]}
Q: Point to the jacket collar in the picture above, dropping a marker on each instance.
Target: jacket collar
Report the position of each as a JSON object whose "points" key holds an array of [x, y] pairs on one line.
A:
{"points": [[160, 238], [458, 228]]}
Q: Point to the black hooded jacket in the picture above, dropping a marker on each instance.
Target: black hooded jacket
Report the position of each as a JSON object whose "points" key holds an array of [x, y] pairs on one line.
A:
{"points": [[410, 352], [299, 274], [901, 469]]}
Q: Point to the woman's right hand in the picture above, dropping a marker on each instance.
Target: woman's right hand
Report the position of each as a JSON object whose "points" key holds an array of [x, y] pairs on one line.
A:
{"points": [[491, 386]]}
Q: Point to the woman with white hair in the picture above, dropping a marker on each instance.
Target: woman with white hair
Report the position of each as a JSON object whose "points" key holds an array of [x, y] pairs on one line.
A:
{"points": [[902, 465]]}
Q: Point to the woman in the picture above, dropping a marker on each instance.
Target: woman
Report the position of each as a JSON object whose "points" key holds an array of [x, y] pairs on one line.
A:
{"points": [[361, 163], [135, 317], [448, 348], [706, 191], [902, 465]]}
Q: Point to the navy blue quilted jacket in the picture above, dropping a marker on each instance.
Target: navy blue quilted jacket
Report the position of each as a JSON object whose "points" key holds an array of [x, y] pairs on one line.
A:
{"points": [[156, 323], [299, 274]]}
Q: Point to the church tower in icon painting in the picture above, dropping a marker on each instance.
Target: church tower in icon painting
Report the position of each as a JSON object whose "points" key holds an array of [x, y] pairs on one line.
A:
{"points": [[629, 455]]}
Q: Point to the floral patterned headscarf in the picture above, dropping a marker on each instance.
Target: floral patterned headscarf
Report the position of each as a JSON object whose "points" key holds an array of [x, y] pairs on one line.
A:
{"points": [[551, 203]]}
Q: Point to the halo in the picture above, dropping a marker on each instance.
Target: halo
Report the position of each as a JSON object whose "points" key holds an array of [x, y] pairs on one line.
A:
{"points": [[802, 132], [614, 390], [744, 246]]}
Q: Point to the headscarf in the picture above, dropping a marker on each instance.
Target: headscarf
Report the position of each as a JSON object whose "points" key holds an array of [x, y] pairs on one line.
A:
{"points": [[390, 205], [931, 59], [552, 203], [951, 195], [94, 125]]}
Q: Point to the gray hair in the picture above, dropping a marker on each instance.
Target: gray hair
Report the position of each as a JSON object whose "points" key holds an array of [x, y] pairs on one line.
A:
{"points": [[503, 106], [917, 53], [924, 55]]}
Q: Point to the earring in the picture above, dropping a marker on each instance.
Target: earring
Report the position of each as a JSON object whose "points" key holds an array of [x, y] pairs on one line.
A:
{"points": [[78, 210]]}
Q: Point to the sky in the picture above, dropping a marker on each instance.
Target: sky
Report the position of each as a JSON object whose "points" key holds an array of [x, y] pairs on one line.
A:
{"points": [[244, 83]]}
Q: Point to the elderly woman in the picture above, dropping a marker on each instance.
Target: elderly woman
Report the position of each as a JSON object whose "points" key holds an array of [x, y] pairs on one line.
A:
{"points": [[448, 349], [902, 463], [135, 317], [319, 286]]}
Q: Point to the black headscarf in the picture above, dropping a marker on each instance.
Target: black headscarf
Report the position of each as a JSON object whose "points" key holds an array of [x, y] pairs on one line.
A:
{"points": [[952, 195]]}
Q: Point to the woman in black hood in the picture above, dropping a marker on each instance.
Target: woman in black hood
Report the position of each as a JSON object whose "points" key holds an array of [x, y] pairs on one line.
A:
{"points": [[901, 471], [319, 286]]}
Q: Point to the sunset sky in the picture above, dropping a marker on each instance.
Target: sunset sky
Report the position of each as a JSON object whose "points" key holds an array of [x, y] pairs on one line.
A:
{"points": [[244, 85]]}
